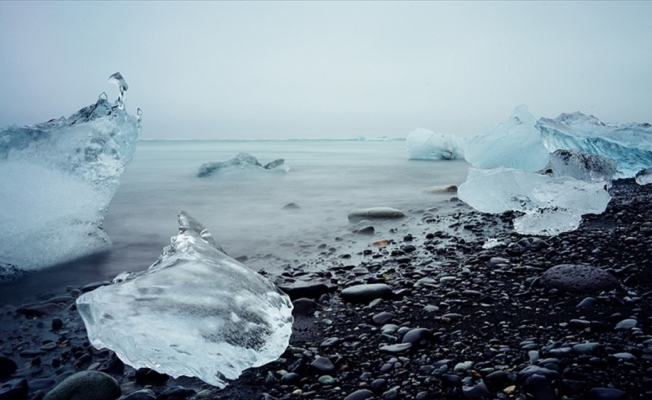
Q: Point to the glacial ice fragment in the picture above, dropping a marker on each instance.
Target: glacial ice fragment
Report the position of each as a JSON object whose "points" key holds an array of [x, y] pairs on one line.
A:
{"points": [[550, 205], [515, 143], [644, 176], [56, 181], [424, 144], [118, 80], [194, 312], [583, 166], [630, 145], [240, 161]]}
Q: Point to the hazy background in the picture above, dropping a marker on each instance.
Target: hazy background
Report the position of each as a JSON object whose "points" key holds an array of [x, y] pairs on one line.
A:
{"points": [[326, 69]]}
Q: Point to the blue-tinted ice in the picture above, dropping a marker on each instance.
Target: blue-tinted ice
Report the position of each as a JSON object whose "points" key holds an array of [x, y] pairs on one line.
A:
{"points": [[629, 145], [424, 144], [56, 181], [195, 312]]}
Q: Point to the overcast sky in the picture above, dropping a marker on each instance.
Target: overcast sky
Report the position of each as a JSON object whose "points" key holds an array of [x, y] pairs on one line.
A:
{"points": [[326, 69]]}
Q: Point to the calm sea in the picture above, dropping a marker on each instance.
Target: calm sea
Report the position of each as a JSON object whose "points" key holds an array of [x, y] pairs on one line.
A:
{"points": [[244, 209]]}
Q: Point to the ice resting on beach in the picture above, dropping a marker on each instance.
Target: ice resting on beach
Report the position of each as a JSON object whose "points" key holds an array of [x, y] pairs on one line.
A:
{"points": [[194, 312]]}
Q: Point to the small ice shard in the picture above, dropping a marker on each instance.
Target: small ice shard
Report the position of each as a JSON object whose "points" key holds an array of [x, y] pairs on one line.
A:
{"points": [[583, 166], [512, 144], [194, 312], [491, 243], [630, 145], [644, 176], [240, 161], [122, 88], [550, 205], [56, 181], [424, 144]]}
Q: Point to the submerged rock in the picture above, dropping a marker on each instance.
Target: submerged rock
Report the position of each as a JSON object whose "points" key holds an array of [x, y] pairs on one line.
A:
{"points": [[196, 312], [375, 213]]}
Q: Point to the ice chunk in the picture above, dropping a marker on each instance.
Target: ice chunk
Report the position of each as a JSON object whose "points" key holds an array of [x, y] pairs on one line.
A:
{"points": [[56, 181], [194, 312], [644, 176], [424, 144], [550, 205], [512, 144], [583, 166], [630, 145], [240, 161], [118, 80]]}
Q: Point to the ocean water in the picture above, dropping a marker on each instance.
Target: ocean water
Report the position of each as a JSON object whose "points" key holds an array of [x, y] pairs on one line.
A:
{"points": [[243, 209]]}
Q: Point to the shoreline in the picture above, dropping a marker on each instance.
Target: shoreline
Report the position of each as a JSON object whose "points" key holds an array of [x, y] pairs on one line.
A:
{"points": [[482, 324]]}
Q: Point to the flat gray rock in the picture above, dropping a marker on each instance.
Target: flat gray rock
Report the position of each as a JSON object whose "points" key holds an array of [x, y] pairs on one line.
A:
{"points": [[375, 213], [578, 278]]}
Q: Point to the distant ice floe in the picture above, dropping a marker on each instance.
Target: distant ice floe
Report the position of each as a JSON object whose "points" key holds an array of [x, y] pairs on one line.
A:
{"points": [[581, 154], [424, 144], [195, 312], [242, 161], [57, 179]]}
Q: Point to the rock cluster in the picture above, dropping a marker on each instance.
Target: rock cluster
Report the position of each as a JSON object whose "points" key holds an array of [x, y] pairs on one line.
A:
{"points": [[427, 315]]}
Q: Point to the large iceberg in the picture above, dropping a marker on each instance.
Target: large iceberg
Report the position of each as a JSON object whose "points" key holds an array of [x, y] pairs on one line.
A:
{"points": [[515, 143], [550, 205], [194, 312], [57, 179], [240, 161], [630, 145], [424, 144]]}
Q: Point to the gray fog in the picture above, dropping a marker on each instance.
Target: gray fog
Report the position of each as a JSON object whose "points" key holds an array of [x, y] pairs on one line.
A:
{"points": [[236, 70]]}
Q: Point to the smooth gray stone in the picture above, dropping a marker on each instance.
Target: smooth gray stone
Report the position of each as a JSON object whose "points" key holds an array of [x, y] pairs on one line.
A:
{"points": [[361, 394], [86, 385], [375, 213], [367, 292]]}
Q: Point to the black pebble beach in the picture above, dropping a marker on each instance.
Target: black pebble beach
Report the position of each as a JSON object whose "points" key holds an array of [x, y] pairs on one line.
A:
{"points": [[442, 318]]}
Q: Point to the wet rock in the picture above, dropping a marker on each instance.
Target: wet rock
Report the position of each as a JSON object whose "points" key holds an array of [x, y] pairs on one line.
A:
{"points": [[367, 230], [382, 318], [605, 394], [291, 206], [538, 387], [361, 394], [626, 324], [86, 385], [323, 365], [146, 376], [7, 366], [477, 392], [305, 290], [375, 213], [367, 292], [304, 307], [15, 389], [587, 302], [578, 278], [415, 336]]}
